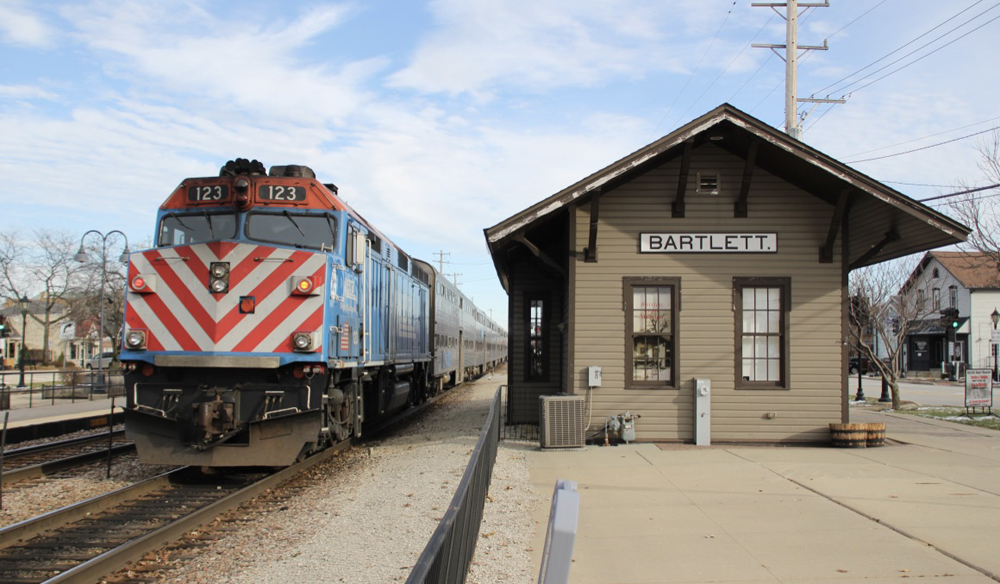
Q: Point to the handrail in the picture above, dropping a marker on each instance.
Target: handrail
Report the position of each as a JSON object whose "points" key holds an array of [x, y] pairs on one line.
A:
{"points": [[448, 554]]}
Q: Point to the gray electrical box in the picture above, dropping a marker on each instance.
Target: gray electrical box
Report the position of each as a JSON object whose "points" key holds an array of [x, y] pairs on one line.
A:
{"points": [[594, 376]]}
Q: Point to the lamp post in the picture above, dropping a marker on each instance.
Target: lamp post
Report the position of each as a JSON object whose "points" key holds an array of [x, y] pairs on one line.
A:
{"points": [[81, 256], [23, 304], [996, 318]]}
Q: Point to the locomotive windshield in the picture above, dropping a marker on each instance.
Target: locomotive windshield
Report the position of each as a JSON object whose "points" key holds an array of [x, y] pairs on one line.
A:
{"points": [[296, 229], [185, 229]]}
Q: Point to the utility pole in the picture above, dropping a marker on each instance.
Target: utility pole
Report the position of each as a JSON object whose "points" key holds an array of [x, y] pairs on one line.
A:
{"points": [[792, 47], [440, 255], [454, 279]]}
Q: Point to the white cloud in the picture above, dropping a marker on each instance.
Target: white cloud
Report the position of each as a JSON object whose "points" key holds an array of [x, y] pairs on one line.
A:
{"points": [[535, 46], [21, 27], [255, 67], [25, 92]]}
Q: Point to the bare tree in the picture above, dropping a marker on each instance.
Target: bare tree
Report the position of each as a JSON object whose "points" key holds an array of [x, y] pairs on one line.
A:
{"points": [[883, 310], [978, 209], [43, 267]]}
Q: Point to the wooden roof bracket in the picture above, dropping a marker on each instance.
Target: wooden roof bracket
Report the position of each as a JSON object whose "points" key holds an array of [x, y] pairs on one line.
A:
{"points": [[839, 212], [740, 208], [682, 179], [540, 255], [890, 237], [590, 252]]}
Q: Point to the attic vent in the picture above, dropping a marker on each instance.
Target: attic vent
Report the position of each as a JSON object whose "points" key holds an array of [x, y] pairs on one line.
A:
{"points": [[562, 423], [708, 183]]}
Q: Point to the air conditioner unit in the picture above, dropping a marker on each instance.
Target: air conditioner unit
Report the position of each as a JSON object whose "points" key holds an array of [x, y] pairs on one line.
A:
{"points": [[562, 420]]}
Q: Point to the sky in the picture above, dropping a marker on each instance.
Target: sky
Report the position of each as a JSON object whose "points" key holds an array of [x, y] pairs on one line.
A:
{"points": [[437, 119]]}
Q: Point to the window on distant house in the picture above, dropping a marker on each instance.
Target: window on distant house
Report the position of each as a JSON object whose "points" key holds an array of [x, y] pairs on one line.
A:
{"points": [[651, 332], [762, 314], [936, 299], [953, 297]]}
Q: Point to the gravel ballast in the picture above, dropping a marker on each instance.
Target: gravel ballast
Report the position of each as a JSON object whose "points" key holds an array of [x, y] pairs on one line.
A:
{"points": [[369, 522]]}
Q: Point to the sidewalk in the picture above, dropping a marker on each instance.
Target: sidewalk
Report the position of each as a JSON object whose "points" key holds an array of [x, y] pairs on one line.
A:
{"points": [[63, 409], [926, 505]]}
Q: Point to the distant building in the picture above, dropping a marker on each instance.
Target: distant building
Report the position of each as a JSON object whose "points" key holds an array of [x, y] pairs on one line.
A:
{"points": [[968, 281]]}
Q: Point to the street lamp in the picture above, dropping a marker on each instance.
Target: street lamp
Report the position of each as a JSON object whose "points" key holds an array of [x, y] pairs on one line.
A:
{"points": [[81, 256], [23, 303], [996, 318]]}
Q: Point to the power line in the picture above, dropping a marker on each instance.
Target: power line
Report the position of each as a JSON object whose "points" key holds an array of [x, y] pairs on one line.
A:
{"points": [[909, 184], [965, 192], [719, 76], [923, 147], [922, 138], [896, 50], [921, 58], [695, 70]]}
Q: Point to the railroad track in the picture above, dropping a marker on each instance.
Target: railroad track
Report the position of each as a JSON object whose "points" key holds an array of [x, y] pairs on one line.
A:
{"points": [[86, 541], [92, 539], [56, 457]]}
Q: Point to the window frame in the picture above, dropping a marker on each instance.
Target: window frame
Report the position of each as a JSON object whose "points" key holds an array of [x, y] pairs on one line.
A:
{"points": [[784, 325], [545, 356], [628, 284]]}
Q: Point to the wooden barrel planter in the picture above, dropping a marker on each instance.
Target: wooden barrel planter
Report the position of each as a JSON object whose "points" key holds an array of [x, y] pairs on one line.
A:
{"points": [[849, 435], [876, 434]]}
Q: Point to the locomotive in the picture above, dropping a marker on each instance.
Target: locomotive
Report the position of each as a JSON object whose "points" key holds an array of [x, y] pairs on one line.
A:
{"points": [[271, 321]]}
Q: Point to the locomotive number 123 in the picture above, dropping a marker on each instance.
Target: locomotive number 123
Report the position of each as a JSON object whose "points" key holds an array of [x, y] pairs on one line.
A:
{"points": [[281, 193], [208, 193]]}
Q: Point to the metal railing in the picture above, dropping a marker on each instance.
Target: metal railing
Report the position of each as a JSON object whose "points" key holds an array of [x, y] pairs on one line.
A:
{"points": [[449, 552], [44, 388]]}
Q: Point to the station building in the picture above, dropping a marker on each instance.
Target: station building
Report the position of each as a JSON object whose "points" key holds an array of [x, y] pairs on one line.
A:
{"points": [[718, 253]]}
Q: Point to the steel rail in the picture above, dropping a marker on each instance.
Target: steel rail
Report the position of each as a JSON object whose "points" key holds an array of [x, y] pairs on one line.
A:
{"points": [[53, 466], [16, 453], [116, 559]]}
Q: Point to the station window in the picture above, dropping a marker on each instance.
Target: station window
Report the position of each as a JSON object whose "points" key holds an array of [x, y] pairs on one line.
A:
{"points": [[762, 308], [538, 333], [651, 308]]}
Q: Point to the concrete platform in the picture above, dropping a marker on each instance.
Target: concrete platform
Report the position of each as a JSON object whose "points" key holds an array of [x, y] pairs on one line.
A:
{"points": [[62, 410], [926, 505]]}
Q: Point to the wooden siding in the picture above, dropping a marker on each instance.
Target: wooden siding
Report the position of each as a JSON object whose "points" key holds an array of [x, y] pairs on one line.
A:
{"points": [[706, 325]]}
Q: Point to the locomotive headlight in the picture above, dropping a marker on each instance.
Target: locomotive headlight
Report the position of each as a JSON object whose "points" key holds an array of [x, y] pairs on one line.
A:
{"points": [[135, 339], [218, 277], [302, 341]]}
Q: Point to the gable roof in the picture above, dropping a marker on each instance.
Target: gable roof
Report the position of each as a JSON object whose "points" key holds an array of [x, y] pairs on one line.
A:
{"points": [[974, 270], [885, 224]]}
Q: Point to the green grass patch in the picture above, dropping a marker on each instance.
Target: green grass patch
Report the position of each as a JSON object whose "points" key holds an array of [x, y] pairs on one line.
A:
{"points": [[958, 415]]}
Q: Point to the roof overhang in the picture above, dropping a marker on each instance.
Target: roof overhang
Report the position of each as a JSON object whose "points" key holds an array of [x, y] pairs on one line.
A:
{"points": [[885, 224]]}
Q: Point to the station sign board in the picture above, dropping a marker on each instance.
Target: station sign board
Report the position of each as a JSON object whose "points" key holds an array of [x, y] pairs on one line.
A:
{"points": [[979, 388], [672, 242]]}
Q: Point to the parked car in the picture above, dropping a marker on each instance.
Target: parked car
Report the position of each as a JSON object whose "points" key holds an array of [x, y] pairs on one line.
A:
{"points": [[106, 358], [855, 362]]}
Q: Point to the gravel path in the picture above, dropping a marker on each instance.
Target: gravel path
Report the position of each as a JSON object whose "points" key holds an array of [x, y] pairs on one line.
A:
{"points": [[369, 522]]}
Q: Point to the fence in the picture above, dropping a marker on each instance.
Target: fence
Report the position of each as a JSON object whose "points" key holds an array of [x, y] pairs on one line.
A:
{"points": [[449, 552], [43, 388]]}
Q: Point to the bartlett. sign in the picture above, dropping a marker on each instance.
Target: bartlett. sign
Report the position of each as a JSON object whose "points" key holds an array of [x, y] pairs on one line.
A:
{"points": [[708, 242]]}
